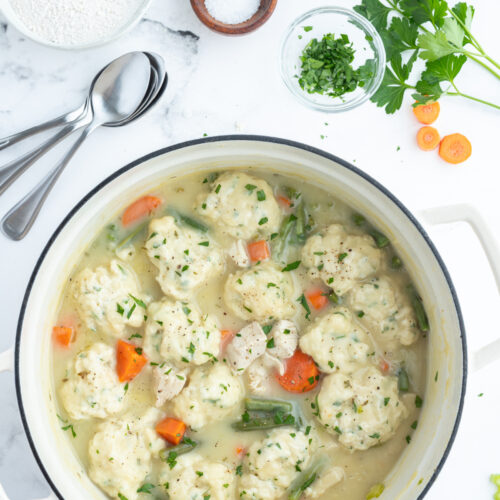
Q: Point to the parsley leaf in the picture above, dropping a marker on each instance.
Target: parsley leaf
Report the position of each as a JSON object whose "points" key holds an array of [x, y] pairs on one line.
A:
{"points": [[422, 11], [375, 11]]}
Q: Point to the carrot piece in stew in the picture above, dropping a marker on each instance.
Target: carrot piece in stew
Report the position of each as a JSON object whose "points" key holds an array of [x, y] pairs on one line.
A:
{"points": [[225, 338], [455, 148], [317, 298], [301, 373], [384, 366], [284, 201], [428, 138], [427, 113], [139, 209], [62, 335], [129, 360], [171, 429], [258, 250]]}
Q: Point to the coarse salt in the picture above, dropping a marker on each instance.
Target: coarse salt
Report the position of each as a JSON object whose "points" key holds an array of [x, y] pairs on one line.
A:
{"points": [[74, 22], [232, 11]]}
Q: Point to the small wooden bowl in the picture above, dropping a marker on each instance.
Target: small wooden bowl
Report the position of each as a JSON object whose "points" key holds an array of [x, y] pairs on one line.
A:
{"points": [[264, 12]]}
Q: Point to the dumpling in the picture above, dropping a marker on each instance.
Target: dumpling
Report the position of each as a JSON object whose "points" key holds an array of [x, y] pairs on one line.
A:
{"points": [[341, 259], [91, 388], [212, 393], [120, 453], [337, 343], [108, 298], [196, 477], [363, 409], [271, 465], [261, 293], [185, 258], [241, 206], [177, 332], [387, 313]]}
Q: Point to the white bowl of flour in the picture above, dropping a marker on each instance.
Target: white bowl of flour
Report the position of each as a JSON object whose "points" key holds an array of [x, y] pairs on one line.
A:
{"points": [[73, 24]]}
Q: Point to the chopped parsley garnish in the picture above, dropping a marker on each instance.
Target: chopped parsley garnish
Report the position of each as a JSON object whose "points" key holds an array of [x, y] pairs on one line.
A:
{"points": [[267, 328], [217, 189], [263, 221], [261, 196], [119, 309], [146, 488], [291, 266], [418, 401], [327, 67], [303, 302], [139, 302], [204, 243], [270, 343], [342, 256], [250, 187]]}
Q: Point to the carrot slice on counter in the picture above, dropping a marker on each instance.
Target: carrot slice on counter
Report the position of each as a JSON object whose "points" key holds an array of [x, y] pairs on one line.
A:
{"points": [[427, 113], [316, 297], [428, 138], [62, 335], [301, 373], [258, 250], [284, 201], [171, 429], [139, 209], [225, 338], [129, 360], [455, 148]]}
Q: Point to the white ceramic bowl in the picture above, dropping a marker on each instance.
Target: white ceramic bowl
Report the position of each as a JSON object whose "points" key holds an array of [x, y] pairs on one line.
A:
{"points": [[13, 18], [420, 462]]}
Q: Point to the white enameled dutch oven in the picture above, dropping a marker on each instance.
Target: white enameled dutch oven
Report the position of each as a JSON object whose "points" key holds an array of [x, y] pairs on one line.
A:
{"points": [[446, 354]]}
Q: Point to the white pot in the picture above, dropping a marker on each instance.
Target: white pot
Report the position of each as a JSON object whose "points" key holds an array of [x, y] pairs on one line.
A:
{"points": [[421, 461]]}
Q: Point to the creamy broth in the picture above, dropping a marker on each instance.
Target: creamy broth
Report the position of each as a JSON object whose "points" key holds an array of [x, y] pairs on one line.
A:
{"points": [[218, 441]]}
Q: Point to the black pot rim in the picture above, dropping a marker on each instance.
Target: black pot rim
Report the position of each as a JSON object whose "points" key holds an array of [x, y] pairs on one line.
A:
{"points": [[226, 138]]}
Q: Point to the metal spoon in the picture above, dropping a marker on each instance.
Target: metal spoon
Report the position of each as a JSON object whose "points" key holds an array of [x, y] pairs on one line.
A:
{"points": [[114, 96], [12, 170]]}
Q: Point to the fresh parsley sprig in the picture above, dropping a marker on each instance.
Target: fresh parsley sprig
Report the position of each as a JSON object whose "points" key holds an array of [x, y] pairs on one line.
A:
{"points": [[432, 31]]}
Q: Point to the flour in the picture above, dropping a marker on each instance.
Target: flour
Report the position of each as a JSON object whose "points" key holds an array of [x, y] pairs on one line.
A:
{"points": [[232, 11], [75, 22]]}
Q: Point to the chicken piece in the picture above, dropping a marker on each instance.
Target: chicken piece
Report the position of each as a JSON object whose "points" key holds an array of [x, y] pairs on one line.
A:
{"points": [[246, 347], [283, 339], [167, 383], [238, 253], [261, 372], [327, 478]]}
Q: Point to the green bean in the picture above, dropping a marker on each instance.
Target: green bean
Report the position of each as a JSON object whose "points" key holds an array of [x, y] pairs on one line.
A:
{"points": [[306, 478], [261, 423], [403, 380], [284, 232], [358, 219], [381, 240], [418, 308], [132, 235], [256, 404], [180, 449], [187, 220]]}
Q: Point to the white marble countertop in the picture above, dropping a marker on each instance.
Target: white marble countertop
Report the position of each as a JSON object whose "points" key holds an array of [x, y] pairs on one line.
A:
{"points": [[221, 85]]}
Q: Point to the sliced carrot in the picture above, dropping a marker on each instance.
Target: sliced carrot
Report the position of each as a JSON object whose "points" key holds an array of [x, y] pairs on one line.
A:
{"points": [[384, 366], [284, 201], [428, 138], [316, 297], [62, 335], [171, 429], [427, 113], [301, 373], [258, 250], [129, 360], [139, 209], [455, 148], [240, 450]]}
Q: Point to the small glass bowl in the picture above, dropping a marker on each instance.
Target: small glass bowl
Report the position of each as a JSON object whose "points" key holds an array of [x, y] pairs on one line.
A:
{"points": [[338, 20], [12, 18]]}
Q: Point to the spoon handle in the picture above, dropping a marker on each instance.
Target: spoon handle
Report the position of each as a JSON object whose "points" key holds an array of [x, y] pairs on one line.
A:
{"points": [[12, 170], [19, 219], [56, 122]]}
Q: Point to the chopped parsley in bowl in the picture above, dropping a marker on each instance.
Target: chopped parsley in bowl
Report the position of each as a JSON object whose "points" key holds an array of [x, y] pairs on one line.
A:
{"points": [[332, 59]]}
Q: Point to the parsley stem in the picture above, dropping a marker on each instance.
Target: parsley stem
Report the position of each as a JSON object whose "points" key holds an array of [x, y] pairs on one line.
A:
{"points": [[474, 99], [485, 66]]}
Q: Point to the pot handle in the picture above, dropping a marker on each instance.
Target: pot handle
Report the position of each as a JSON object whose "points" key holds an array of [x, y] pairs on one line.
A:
{"points": [[466, 213], [7, 365]]}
